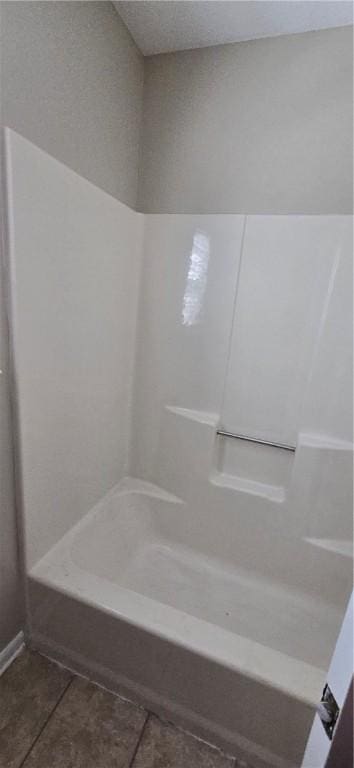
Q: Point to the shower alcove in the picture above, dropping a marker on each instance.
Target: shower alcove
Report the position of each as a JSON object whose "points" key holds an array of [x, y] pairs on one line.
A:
{"points": [[203, 574]]}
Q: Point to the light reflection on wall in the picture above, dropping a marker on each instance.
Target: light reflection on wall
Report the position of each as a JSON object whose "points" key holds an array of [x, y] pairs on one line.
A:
{"points": [[196, 279]]}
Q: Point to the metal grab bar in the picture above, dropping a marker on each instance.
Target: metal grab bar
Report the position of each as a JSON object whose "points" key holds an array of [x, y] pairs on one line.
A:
{"points": [[284, 446]]}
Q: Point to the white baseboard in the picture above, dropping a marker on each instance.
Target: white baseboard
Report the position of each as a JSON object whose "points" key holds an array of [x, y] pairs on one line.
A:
{"points": [[11, 650]]}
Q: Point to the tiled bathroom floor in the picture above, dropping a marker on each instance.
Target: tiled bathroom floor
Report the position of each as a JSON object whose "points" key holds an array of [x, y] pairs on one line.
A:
{"points": [[50, 718]]}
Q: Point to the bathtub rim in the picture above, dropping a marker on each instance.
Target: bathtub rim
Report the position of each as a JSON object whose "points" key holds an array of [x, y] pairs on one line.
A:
{"points": [[290, 676]]}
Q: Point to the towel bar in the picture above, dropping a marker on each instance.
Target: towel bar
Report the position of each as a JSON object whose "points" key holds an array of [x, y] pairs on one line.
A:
{"points": [[284, 446]]}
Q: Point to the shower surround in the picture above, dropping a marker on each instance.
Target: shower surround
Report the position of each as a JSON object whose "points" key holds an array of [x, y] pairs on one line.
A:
{"points": [[202, 575]]}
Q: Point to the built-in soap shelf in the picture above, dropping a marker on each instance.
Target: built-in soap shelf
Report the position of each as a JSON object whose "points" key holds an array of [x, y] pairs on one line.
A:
{"points": [[342, 547], [201, 417], [244, 485], [238, 465], [251, 467], [324, 442]]}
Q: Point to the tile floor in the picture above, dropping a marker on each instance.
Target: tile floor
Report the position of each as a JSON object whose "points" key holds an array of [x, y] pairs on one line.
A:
{"points": [[50, 718]]}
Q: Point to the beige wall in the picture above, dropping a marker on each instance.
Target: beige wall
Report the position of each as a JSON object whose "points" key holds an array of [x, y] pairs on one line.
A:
{"points": [[257, 127], [10, 592], [72, 82]]}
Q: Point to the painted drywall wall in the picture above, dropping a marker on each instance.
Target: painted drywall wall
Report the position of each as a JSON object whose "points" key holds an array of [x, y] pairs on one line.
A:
{"points": [[72, 81], [254, 127], [262, 126], [10, 589], [75, 261]]}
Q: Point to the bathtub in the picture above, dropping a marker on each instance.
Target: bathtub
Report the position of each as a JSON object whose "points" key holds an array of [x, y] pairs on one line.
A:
{"points": [[225, 653]]}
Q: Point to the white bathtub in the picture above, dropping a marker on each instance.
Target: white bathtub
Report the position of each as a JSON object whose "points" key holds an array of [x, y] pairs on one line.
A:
{"points": [[128, 559]]}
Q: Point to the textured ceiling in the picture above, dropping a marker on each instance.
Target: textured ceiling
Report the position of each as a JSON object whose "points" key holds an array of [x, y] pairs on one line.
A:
{"points": [[158, 26]]}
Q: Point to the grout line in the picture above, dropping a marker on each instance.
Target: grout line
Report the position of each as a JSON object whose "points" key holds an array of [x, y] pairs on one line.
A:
{"points": [[132, 761], [148, 714], [22, 763]]}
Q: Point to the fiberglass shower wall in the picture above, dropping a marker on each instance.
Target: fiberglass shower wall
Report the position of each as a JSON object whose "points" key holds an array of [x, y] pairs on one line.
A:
{"points": [[245, 325], [75, 261]]}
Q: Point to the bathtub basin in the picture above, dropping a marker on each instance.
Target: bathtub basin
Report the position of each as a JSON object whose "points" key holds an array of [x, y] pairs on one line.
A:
{"points": [[122, 597]]}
